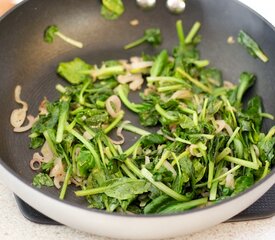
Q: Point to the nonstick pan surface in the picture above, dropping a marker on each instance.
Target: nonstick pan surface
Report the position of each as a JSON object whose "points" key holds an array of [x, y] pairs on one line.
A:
{"points": [[27, 60]]}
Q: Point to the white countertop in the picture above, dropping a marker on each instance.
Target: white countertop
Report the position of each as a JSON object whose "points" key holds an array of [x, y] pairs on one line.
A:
{"points": [[14, 226]]}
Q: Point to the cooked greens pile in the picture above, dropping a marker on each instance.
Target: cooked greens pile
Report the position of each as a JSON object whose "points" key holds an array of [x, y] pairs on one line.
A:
{"points": [[208, 146]]}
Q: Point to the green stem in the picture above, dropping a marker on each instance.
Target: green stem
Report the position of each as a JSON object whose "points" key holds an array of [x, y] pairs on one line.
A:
{"points": [[87, 144], [262, 56], [266, 169], [223, 154], [201, 63], [89, 130], [270, 133], [242, 162], [69, 40], [178, 139], [87, 192], [233, 136], [180, 32], [127, 171], [133, 168], [101, 152], [214, 187], [105, 72], [207, 136], [164, 114], [115, 122], [134, 129], [162, 79], [211, 166], [164, 156], [131, 149], [60, 88], [65, 184], [193, 80], [81, 98], [135, 43], [170, 88], [63, 116], [225, 174], [194, 30], [203, 112], [179, 207], [267, 115], [124, 98], [230, 109]]}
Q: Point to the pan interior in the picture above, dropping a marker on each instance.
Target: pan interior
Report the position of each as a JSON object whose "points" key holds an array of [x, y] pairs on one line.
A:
{"points": [[26, 60]]}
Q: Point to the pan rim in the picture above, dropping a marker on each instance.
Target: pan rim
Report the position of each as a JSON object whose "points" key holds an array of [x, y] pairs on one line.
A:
{"points": [[115, 214]]}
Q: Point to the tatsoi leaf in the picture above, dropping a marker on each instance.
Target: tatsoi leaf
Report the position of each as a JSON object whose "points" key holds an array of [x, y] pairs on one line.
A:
{"points": [[75, 71], [42, 179], [199, 170], [36, 142], [179, 181], [48, 121], [153, 139], [254, 110], [187, 168], [252, 47], [252, 114], [114, 6], [49, 33], [267, 148], [108, 14], [125, 188], [246, 81], [243, 182], [85, 162]]}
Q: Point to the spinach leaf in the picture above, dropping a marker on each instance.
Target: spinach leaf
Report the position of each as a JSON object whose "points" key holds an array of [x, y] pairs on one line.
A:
{"points": [[252, 114], [85, 162], [267, 148], [112, 9], [125, 188], [243, 182], [152, 139], [246, 81], [75, 71], [252, 47]]}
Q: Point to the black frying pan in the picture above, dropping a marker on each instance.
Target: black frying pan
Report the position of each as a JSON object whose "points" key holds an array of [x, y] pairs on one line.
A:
{"points": [[26, 60]]}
